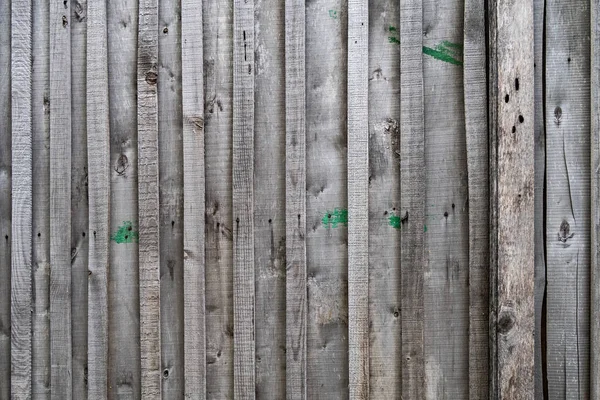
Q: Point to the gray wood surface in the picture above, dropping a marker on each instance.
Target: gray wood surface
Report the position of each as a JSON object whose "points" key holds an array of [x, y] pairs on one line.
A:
{"points": [[412, 199], [21, 282], [296, 306], [567, 109], [148, 197], [595, 199]]}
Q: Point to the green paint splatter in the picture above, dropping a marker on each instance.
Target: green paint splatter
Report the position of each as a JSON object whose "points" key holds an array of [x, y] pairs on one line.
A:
{"points": [[424, 228], [393, 40], [125, 234], [333, 14], [394, 221], [446, 51], [335, 217], [393, 29]]}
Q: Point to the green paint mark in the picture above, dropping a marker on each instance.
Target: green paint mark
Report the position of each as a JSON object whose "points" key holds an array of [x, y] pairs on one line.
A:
{"points": [[393, 29], [446, 51], [125, 234], [394, 221], [335, 217], [333, 14], [393, 40], [424, 228]]}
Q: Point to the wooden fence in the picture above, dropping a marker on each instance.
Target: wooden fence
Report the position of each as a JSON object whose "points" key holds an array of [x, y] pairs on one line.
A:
{"points": [[301, 199]]}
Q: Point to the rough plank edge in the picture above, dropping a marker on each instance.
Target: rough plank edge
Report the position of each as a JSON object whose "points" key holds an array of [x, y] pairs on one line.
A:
{"points": [[595, 186]]}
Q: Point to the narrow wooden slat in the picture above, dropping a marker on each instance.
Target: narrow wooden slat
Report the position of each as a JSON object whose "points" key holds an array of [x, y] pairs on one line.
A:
{"points": [[243, 199], [98, 142], [412, 198], [476, 127], [358, 198], [21, 282], [148, 214], [295, 203], [60, 201], [595, 200], [194, 201], [567, 118]]}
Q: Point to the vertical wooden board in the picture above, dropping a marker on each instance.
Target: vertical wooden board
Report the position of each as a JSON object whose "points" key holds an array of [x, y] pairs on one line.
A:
{"points": [[269, 198], [99, 200], [123, 317], [79, 198], [60, 202], [384, 200], [218, 30], [326, 199], [148, 189], [595, 199], [21, 289], [514, 322], [192, 61], [568, 199], [476, 129], [170, 148], [412, 199], [296, 306], [446, 220]]}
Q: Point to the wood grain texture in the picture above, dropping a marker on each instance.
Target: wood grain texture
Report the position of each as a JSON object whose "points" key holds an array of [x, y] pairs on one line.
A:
{"points": [[595, 199], [358, 198], [21, 282], [60, 202], [243, 200], [476, 127], [295, 200], [148, 189], [98, 141], [567, 116], [124, 318], [412, 198], [194, 332], [269, 199], [384, 199], [514, 321]]}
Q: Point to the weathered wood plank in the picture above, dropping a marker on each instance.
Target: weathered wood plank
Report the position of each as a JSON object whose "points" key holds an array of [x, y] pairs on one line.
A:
{"points": [[148, 190], [567, 111], [60, 202], [192, 63], [476, 127], [358, 198], [326, 199], [295, 200], [269, 199], [98, 135], [21, 282], [595, 199], [412, 198]]}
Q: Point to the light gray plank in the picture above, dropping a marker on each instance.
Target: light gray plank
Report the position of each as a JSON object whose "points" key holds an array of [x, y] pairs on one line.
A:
{"points": [[358, 198], [412, 198], [567, 116], [595, 200], [124, 318], [60, 202], [218, 31], [295, 200], [384, 200], [326, 183], [148, 189], [476, 127], [21, 289], [98, 142], [194, 201], [269, 199]]}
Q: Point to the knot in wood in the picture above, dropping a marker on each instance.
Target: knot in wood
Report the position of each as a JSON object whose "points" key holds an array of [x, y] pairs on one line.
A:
{"points": [[506, 321], [151, 77], [564, 232]]}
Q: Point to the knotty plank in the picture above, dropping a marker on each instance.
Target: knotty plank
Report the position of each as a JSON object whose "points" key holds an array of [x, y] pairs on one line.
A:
{"points": [[326, 184], [476, 129], [21, 246], [60, 202], [98, 135], [295, 200], [194, 332], [218, 31], [512, 168], [358, 198], [595, 199], [567, 110], [269, 199], [412, 198], [384, 200], [148, 195], [243, 200], [124, 318]]}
